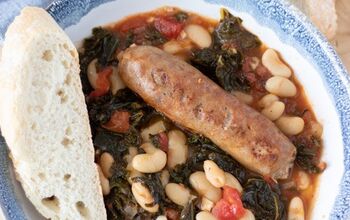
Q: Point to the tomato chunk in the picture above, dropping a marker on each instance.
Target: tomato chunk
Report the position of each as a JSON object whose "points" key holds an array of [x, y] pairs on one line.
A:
{"points": [[230, 207], [102, 82], [168, 26], [119, 122]]}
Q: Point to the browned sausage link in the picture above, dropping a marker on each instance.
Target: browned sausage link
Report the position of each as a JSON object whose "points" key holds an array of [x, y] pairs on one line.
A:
{"points": [[189, 98]]}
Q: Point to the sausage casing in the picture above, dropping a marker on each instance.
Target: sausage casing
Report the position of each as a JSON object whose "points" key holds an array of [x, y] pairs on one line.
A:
{"points": [[189, 98]]}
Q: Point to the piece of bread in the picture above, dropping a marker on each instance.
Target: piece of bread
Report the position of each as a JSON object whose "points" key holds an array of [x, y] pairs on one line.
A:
{"points": [[323, 14], [44, 119]]}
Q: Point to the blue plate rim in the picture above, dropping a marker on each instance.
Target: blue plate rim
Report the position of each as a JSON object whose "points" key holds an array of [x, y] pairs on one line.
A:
{"points": [[288, 21]]}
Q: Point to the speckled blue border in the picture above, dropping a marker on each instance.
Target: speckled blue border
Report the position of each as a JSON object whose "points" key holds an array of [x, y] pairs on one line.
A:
{"points": [[290, 25]]}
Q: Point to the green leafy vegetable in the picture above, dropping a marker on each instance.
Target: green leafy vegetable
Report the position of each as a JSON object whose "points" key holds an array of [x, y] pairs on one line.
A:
{"points": [[181, 16], [307, 154], [262, 200], [153, 37], [101, 45], [231, 31], [188, 212]]}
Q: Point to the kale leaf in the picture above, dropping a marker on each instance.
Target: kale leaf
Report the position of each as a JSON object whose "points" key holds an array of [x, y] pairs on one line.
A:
{"points": [[231, 31], [307, 154], [101, 45], [262, 200]]}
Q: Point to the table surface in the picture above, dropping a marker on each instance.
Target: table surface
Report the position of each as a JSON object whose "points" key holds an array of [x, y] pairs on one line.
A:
{"points": [[10, 8]]}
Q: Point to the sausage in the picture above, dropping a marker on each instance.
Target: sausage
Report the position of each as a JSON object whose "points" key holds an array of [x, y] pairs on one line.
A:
{"points": [[192, 100]]}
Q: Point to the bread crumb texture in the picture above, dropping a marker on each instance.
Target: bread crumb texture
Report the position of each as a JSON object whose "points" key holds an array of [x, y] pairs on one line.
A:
{"points": [[44, 120]]}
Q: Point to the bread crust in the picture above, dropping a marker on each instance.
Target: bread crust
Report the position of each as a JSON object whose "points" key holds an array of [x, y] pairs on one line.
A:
{"points": [[44, 119]]}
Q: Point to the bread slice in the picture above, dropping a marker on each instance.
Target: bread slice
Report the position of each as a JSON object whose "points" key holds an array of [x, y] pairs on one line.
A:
{"points": [[44, 119]]}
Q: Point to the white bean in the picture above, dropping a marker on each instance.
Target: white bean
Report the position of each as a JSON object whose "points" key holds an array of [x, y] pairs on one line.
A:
{"points": [[162, 217], [143, 197], [177, 149], [281, 86], [254, 63], [203, 187], [274, 111], [103, 181], [154, 128], [267, 100], [199, 35], [177, 193], [243, 97], [231, 181], [116, 82], [172, 47], [296, 209], [302, 180], [248, 215], [204, 215], [106, 162], [290, 125], [164, 177], [150, 162], [214, 174], [92, 73], [206, 204], [272, 62]]}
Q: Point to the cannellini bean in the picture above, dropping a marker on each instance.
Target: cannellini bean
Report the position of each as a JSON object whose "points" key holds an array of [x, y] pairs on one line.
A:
{"points": [[172, 47], [143, 197], [204, 215], [162, 217], [274, 111], [243, 97], [199, 35], [302, 180], [272, 62], [104, 181], [164, 177], [177, 193], [203, 187], [254, 63], [92, 73], [206, 204], [177, 148], [248, 215], [231, 181], [116, 82], [150, 162], [296, 209], [154, 128], [281, 86], [131, 155], [267, 100], [148, 148], [214, 174], [290, 125], [106, 162]]}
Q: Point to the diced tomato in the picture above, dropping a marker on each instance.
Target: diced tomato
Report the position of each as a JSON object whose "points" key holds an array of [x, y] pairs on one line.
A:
{"points": [[231, 194], [222, 210], [168, 26], [119, 122], [163, 141], [230, 207], [102, 82]]}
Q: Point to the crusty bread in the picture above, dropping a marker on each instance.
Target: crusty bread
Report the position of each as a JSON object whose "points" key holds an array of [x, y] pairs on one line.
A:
{"points": [[44, 119]]}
